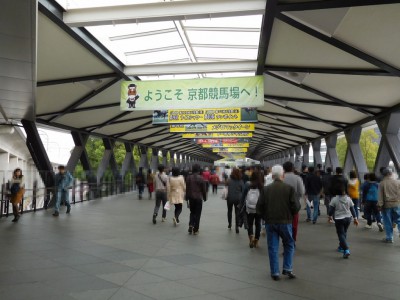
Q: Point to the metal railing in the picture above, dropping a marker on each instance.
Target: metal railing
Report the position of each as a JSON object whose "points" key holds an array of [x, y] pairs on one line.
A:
{"points": [[38, 197]]}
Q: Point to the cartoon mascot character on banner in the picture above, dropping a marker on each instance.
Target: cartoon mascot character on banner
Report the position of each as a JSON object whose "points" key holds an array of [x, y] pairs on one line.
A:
{"points": [[132, 96]]}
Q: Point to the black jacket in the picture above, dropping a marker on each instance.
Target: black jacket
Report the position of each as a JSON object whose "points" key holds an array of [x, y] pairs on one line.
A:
{"points": [[195, 188], [313, 184], [336, 182]]}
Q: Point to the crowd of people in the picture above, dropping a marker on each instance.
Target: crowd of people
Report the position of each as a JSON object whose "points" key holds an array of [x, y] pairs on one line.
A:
{"points": [[268, 201]]}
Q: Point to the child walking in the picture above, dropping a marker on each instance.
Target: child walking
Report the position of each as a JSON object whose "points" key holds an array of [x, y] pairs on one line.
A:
{"points": [[343, 208]]}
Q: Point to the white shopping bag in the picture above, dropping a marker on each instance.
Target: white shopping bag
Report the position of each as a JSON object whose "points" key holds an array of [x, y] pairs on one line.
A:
{"points": [[167, 206]]}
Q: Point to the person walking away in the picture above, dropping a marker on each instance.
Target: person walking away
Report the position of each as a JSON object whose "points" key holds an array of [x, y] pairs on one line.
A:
{"points": [[326, 188], [248, 204], [63, 181], [337, 180], [160, 180], [277, 206], [343, 208], [296, 182], [206, 176], [196, 193], [353, 188], [389, 202], [214, 179], [150, 183], [370, 198], [235, 189], [176, 189], [140, 182], [314, 189], [17, 190]]}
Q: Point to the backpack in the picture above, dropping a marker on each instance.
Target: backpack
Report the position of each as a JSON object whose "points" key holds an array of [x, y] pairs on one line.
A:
{"points": [[372, 192], [214, 179], [252, 199], [14, 188]]}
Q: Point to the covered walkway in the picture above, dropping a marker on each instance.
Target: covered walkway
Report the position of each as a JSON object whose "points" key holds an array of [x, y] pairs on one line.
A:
{"points": [[109, 249]]}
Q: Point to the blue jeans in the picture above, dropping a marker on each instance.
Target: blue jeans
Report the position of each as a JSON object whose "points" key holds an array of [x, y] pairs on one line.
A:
{"points": [[284, 231], [341, 229], [314, 199], [62, 195], [356, 203], [390, 216]]}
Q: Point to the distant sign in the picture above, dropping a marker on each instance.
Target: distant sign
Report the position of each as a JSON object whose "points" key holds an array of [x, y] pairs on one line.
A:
{"points": [[193, 93], [220, 141], [220, 115], [235, 150], [216, 135], [245, 127], [224, 145]]}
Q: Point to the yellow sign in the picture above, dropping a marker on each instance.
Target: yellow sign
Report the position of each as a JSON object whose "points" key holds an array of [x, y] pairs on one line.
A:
{"points": [[221, 115], [238, 145], [245, 127], [238, 150], [216, 135]]}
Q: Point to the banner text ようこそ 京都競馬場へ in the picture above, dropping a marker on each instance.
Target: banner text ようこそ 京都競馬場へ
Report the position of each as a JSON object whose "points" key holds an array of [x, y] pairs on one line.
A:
{"points": [[193, 93]]}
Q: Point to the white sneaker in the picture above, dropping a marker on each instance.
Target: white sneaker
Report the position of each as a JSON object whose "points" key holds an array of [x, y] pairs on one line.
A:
{"points": [[174, 220], [163, 220], [380, 226], [368, 226]]}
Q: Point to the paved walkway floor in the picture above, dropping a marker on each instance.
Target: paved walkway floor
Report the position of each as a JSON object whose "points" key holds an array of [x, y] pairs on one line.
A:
{"points": [[109, 249]]}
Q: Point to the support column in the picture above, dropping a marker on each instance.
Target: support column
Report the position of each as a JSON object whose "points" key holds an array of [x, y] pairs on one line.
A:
{"points": [[354, 157], [316, 145], [291, 153], [331, 159], [126, 165], [144, 161], [107, 160], [306, 154], [154, 160], [389, 127], [164, 159], [298, 159], [172, 159], [79, 153], [178, 160]]}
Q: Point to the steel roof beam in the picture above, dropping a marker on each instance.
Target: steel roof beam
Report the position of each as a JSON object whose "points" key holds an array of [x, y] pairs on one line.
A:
{"points": [[291, 125], [162, 11], [332, 71], [329, 4], [191, 68], [111, 105], [76, 79], [116, 122], [321, 102], [84, 99], [312, 117], [339, 44], [265, 36], [322, 94]]}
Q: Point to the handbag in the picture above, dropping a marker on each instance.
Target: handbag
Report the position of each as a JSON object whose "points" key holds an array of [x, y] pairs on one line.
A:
{"points": [[224, 195], [167, 206]]}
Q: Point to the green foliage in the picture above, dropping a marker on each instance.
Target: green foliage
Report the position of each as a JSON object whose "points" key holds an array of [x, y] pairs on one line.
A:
{"points": [[369, 148]]}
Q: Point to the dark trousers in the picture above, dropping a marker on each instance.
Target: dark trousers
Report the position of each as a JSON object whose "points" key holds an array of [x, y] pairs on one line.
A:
{"points": [[256, 220], [178, 210], [196, 206], [371, 208], [215, 188], [15, 208], [341, 229], [161, 198], [230, 210]]}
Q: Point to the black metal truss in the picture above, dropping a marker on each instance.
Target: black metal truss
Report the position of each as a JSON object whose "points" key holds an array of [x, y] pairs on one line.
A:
{"points": [[84, 99], [311, 117], [265, 36], [322, 94], [76, 79], [89, 108], [270, 133], [54, 12], [291, 125], [339, 44], [321, 102], [110, 121], [329, 4], [331, 71], [132, 129]]}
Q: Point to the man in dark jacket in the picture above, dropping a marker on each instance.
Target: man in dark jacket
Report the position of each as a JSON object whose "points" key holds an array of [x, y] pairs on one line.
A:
{"points": [[313, 190], [277, 206], [337, 181], [195, 193]]}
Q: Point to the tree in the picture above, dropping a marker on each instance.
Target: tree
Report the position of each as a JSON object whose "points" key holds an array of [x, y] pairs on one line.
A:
{"points": [[368, 144]]}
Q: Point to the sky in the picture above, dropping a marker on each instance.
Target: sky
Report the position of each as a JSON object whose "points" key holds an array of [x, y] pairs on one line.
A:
{"points": [[58, 144]]}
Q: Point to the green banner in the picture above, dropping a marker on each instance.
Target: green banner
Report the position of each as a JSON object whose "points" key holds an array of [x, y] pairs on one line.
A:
{"points": [[193, 93]]}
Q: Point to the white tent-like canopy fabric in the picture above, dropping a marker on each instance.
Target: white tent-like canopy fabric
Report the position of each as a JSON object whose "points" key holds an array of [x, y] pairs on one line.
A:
{"points": [[327, 65]]}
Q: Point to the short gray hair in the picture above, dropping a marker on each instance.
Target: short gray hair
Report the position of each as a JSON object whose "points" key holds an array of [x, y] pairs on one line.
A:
{"points": [[277, 171]]}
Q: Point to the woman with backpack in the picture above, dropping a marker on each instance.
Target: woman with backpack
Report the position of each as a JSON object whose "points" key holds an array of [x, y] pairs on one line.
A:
{"points": [[214, 179], [370, 199], [248, 204], [235, 187]]}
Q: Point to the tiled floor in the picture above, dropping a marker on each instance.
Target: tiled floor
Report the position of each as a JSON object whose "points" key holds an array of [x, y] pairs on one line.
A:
{"points": [[109, 249]]}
